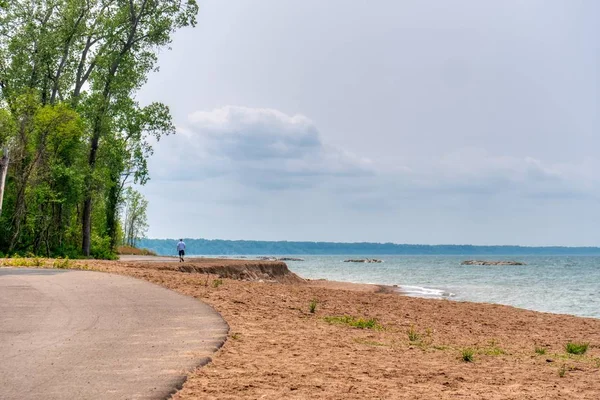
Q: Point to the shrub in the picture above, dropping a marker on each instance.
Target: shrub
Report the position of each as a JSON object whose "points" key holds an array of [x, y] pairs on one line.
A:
{"points": [[413, 335], [576, 348], [62, 263], [312, 306], [18, 262], [540, 350], [467, 355]]}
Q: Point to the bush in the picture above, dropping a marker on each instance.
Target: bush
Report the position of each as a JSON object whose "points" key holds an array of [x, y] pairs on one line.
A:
{"points": [[576, 348], [312, 306], [467, 355], [61, 263]]}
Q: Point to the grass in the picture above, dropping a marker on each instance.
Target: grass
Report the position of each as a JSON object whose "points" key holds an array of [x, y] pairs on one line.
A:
{"points": [[540, 350], [354, 322], [413, 335], [312, 306], [576, 348], [23, 262], [62, 263], [467, 355], [217, 282], [235, 335], [562, 370], [494, 351]]}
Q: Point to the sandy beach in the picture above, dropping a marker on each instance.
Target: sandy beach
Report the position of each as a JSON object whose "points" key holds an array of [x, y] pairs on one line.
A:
{"points": [[278, 349]]}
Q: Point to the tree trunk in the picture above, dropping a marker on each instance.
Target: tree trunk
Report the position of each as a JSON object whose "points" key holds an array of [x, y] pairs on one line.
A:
{"points": [[87, 226], [3, 171]]}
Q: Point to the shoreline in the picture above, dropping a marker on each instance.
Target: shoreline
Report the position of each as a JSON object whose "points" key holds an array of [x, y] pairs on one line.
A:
{"points": [[277, 348], [355, 286], [397, 290]]}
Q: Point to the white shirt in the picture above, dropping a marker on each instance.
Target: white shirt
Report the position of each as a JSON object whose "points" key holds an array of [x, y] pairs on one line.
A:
{"points": [[180, 246]]}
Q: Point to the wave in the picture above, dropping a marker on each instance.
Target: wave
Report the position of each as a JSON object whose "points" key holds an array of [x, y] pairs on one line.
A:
{"points": [[418, 291]]}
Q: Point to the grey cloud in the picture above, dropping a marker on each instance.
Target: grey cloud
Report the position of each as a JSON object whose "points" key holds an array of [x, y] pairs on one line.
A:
{"points": [[262, 148]]}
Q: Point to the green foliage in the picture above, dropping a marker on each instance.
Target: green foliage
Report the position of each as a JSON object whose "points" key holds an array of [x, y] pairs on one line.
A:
{"points": [[467, 355], [360, 323], [540, 350], [413, 335], [134, 221], [312, 306], [101, 248], [576, 347], [18, 262], [69, 73], [217, 282], [62, 263]]}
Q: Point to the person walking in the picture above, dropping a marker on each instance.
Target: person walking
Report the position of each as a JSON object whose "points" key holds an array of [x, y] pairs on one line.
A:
{"points": [[181, 249]]}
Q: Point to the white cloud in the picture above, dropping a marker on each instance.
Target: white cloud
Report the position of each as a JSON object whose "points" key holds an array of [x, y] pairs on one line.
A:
{"points": [[258, 147]]}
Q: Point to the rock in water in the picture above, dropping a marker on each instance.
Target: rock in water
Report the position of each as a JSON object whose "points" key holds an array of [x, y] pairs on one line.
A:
{"points": [[486, 262]]}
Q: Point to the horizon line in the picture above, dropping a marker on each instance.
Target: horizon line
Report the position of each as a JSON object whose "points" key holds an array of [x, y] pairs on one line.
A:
{"points": [[380, 243]]}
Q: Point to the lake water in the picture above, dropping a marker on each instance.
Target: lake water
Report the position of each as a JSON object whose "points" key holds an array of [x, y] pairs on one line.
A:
{"points": [[557, 284]]}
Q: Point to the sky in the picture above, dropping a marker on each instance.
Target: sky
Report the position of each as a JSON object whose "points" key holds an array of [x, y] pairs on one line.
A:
{"points": [[423, 122]]}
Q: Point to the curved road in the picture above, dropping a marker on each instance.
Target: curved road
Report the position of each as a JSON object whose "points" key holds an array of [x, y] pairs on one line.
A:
{"points": [[90, 335]]}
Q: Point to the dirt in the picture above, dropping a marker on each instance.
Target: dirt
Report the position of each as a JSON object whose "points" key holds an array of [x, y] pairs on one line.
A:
{"points": [[278, 349]]}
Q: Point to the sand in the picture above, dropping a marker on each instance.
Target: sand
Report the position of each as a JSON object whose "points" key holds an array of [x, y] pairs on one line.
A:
{"points": [[278, 349]]}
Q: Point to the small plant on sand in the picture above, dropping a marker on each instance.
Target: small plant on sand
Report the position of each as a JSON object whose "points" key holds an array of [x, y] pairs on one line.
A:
{"points": [[494, 349], [235, 335], [562, 370], [18, 262], [360, 323], [312, 306], [38, 262], [413, 335], [576, 348], [467, 355], [61, 263], [540, 350], [217, 282]]}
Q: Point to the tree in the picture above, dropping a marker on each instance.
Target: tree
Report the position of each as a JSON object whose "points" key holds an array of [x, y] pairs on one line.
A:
{"points": [[6, 132], [78, 60], [135, 223]]}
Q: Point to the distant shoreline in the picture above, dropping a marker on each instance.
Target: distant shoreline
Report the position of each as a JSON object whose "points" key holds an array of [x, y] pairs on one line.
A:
{"points": [[219, 247]]}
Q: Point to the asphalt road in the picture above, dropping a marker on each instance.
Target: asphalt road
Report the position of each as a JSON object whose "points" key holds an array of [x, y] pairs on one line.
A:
{"points": [[91, 335]]}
